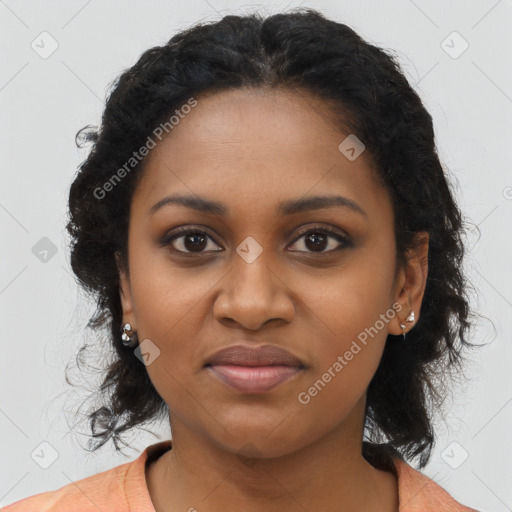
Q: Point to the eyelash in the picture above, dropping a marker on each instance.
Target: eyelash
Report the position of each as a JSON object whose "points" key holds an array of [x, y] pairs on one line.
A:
{"points": [[183, 231]]}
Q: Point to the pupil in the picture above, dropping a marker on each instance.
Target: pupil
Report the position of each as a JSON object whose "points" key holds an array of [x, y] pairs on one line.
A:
{"points": [[199, 245], [315, 237]]}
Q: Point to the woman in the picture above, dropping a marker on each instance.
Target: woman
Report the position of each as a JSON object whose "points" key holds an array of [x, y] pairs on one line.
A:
{"points": [[277, 253]]}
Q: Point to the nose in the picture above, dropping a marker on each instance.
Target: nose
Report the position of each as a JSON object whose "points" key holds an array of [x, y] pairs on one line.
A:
{"points": [[252, 294]]}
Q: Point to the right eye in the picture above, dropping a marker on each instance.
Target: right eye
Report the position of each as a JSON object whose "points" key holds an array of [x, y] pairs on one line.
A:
{"points": [[189, 240]]}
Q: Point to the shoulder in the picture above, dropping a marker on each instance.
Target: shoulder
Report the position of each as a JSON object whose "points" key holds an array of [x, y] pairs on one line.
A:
{"points": [[102, 491], [120, 488], [419, 493], [416, 491]]}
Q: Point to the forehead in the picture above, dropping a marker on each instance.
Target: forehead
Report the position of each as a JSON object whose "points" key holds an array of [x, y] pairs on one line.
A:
{"points": [[258, 147]]}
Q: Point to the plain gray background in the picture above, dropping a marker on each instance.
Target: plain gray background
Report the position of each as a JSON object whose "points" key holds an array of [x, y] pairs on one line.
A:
{"points": [[45, 101]]}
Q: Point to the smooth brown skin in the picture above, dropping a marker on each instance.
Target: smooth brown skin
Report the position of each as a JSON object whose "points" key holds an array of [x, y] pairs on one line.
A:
{"points": [[251, 149]]}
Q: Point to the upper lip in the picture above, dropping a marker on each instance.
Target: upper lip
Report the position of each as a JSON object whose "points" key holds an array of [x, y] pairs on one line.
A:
{"points": [[244, 355]]}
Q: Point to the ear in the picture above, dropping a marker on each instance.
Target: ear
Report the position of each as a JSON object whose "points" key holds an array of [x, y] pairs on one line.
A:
{"points": [[125, 293], [411, 285]]}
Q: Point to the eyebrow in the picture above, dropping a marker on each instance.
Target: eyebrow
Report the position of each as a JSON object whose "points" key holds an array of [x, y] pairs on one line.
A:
{"points": [[289, 207]]}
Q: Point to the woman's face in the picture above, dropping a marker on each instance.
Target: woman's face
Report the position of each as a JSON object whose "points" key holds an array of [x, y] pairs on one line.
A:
{"points": [[261, 274]]}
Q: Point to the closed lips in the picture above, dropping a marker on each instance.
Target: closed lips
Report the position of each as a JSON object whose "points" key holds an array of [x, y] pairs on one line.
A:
{"points": [[243, 355], [254, 370]]}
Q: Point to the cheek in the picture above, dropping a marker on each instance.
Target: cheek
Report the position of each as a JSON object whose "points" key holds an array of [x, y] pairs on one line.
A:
{"points": [[169, 307], [348, 355], [166, 294], [352, 313], [172, 305], [351, 298]]}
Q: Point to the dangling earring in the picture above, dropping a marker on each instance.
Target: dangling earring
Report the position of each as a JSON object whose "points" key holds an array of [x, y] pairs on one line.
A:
{"points": [[410, 318], [128, 340]]}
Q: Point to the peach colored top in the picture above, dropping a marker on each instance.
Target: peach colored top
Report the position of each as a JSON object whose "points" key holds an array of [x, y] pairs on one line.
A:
{"points": [[123, 489]]}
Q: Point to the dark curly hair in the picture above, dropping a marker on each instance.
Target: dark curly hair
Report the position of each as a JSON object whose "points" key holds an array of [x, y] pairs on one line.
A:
{"points": [[367, 93]]}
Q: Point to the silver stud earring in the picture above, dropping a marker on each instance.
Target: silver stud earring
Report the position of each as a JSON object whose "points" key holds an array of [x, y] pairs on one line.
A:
{"points": [[410, 318], [127, 339]]}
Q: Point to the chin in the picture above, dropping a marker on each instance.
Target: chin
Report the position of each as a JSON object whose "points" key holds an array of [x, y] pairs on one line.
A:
{"points": [[257, 443]]}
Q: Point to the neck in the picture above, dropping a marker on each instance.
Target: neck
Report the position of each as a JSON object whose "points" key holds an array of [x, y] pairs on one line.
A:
{"points": [[327, 474]]}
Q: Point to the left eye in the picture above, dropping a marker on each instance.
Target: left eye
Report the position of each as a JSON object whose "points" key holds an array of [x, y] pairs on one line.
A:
{"points": [[317, 239]]}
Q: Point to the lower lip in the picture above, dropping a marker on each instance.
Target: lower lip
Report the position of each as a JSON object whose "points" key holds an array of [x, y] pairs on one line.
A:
{"points": [[254, 379]]}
